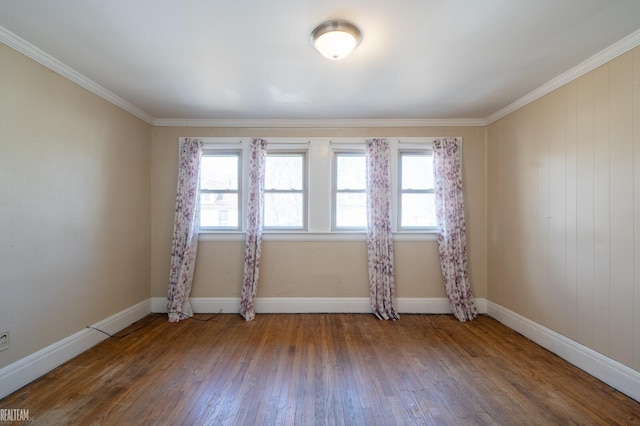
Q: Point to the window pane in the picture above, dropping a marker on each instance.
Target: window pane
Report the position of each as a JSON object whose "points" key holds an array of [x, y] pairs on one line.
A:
{"points": [[284, 172], [351, 210], [418, 210], [219, 172], [417, 171], [219, 210], [351, 172], [283, 210]]}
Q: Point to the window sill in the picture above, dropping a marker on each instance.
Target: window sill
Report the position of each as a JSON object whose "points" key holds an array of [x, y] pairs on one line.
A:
{"points": [[316, 236]]}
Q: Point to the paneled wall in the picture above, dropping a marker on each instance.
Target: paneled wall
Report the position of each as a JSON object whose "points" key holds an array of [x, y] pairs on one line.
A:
{"points": [[563, 210]]}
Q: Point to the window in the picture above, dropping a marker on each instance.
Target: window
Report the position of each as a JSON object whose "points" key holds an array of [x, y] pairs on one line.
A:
{"points": [[315, 189], [220, 195], [349, 190], [285, 195], [416, 208]]}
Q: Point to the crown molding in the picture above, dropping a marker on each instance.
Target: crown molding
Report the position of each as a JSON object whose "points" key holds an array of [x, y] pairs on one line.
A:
{"points": [[318, 123], [629, 42], [29, 50]]}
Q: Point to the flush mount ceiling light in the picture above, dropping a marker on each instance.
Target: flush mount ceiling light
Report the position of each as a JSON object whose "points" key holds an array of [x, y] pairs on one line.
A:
{"points": [[335, 39]]}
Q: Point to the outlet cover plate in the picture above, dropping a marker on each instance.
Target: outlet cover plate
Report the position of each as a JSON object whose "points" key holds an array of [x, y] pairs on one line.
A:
{"points": [[4, 340]]}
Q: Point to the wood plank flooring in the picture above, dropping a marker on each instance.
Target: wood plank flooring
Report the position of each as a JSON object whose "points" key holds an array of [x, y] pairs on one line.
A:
{"points": [[321, 369]]}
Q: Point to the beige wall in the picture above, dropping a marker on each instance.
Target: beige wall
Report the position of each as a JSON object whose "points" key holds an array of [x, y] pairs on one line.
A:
{"points": [[312, 269], [74, 207], [564, 210], [552, 203]]}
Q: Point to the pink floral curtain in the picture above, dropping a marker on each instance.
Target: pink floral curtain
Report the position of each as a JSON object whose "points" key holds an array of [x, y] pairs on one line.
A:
{"points": [[447, 163], [382, 290], [255, 216], [185, 230]]}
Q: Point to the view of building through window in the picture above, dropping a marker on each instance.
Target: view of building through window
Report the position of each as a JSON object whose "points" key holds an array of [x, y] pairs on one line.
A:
{"points": [[287, 196], [219, 190], [416, 204], [284, 190], [350, 190]]}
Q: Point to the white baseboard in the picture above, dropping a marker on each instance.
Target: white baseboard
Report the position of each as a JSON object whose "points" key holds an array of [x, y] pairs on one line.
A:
{"points": [[201, 305], [611, 372], [299, 305], [16, 375]]}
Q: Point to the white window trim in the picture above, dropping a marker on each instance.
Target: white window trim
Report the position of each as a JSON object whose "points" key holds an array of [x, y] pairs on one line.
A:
{"points": [[314, 236], [319, 187]]}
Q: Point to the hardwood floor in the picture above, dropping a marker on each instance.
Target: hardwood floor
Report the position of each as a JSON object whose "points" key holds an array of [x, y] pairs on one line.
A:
{"points": [[323, 369]]}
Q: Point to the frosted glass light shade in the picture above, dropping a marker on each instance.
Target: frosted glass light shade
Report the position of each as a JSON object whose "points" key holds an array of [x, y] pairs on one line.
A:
{"points": [[335, 39]]}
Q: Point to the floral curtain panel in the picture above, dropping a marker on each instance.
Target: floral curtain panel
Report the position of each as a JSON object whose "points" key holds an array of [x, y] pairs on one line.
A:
{"points": [[255, 216], [185, 230], [452, 244], [382, 289]]}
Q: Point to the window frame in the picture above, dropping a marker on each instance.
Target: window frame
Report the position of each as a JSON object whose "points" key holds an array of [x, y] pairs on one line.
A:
{"points": [[400, 191], [226, 152], [319, 187], [346, 152], [304, 153]]}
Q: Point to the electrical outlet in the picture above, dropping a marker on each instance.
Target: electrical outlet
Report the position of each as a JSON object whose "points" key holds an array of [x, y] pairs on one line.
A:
{"points": [[4, 340]]}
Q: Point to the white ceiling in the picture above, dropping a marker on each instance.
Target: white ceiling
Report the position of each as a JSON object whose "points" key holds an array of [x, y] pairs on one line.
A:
{"points": [[252, 59]]}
